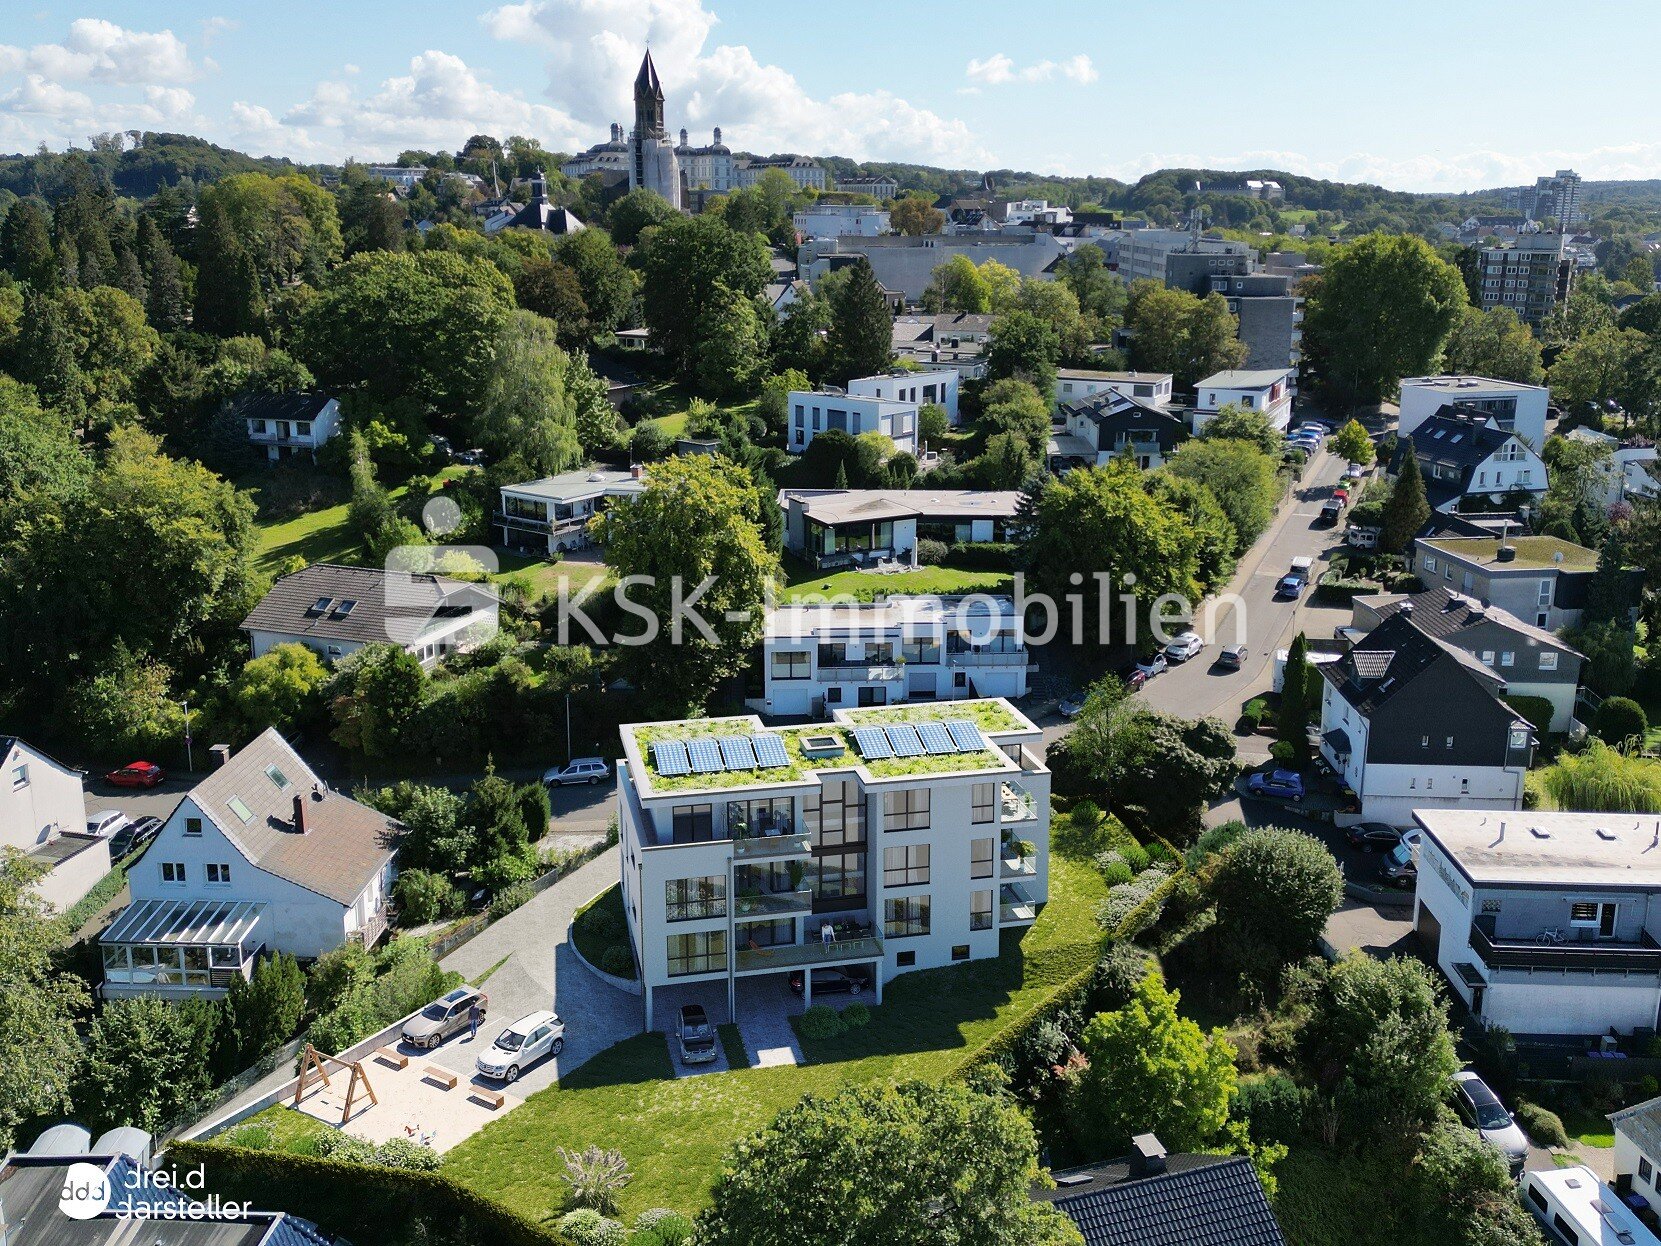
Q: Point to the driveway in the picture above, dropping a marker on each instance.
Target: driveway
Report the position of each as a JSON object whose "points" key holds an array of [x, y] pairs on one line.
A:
{"points": [[528, 964]]}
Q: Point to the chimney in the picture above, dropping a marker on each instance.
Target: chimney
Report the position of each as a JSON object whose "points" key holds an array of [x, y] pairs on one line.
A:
{"points": [[221, 754], [299, 813], [1147, 1156]]}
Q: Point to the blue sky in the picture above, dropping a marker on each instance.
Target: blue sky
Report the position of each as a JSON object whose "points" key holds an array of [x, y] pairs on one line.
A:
{"points": [[1417, 96]]}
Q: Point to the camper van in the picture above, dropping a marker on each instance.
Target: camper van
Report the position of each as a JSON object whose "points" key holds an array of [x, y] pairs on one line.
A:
{"points": [[1576, 1209]]}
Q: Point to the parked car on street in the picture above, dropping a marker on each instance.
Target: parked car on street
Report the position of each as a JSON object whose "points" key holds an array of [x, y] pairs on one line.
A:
{"points": [[1341, 494], [136, 774], [696, 1035], [1232, 658], [1373, 836], [107, 823], [133, 836], [1399, 868], [1354, 471], [582, 770], [1295, 580], [1276, 784], [831, 982], [1332, 511], [444, 1017], [1184, 647], [1072, 706], [1133, 677], [522, 1044], [1481, 1109], [1149, 667]]}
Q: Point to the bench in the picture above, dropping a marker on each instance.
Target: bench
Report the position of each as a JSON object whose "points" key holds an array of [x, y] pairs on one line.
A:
{"points": [[484, 1094], [443, 1077], [396, 1059]]}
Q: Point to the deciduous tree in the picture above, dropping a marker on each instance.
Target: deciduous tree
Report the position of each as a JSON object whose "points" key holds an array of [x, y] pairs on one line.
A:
{"points": [[1494, 343], [916, 215], [1353, 443], [1239, 475], [1275, 890], [692, 265], [279, 688]]}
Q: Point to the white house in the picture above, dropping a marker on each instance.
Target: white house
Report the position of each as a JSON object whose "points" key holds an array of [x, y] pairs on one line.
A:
{"points": [[818, 657], [1541, 920], [551, 514], [335, 610], [43, 815], [1410, 724], [933, 385], [884, 841], [1630, 471], [835, 220], [817, 411], [1077, 385], [1268, 390], [1098, 429], [289, 425], [1467, 460], [1638, 1150], [260, 856], [847, 527], [1515, 407]]}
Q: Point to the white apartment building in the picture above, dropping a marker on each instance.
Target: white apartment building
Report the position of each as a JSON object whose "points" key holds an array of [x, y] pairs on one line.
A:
{"points": [[1143, 253], [936, 385], [838, 220], [1075, 385], [1513, 406], [817, 411], [1541, 920], [551, 514], [1531, 274], [884, 841], [1268, 390], [818, 658], [259, 856], [43, 816]]}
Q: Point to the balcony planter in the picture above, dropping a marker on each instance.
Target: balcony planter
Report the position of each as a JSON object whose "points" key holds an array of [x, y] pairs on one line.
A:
{"points": [[1024, 848]]}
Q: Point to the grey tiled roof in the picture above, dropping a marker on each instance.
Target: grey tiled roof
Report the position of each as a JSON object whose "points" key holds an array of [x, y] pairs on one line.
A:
{"points": [[1202, 1200], [288, 608]]}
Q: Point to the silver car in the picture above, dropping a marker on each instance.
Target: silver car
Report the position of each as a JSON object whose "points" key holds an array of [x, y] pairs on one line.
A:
{"points": [[1482, 1110], [444, 1017]]}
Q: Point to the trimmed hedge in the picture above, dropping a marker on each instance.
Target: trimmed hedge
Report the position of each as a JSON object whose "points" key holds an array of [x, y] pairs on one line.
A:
{"points": [[982, 556], [1536, 709], [1071, 995], [371, 1206]]}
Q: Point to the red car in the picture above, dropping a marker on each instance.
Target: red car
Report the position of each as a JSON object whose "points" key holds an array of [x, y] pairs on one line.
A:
{"points": [[138, 774], [1342, 495]]}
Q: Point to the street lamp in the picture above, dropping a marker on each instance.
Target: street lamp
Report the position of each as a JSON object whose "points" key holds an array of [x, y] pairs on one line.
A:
{"points": [[190, 760]]}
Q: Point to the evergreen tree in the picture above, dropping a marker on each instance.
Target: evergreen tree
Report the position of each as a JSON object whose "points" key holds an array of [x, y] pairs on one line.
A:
{"points": [[129, 277], [164, 287], [46, 354], [1609, 595], [1297, 697], [26, 245], [228, 300], [862, 328], [1406, 509], [1025, 521]]}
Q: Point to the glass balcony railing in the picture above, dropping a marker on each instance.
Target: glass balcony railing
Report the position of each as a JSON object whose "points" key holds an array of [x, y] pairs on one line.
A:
{"points": [[1018, 804], [781, 844], [772, 904], [1015, 867], [1015, 907], [813, 952]]}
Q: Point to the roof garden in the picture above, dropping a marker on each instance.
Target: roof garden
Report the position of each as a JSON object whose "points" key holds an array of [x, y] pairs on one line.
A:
{"points": [[1533, 553], [989, 715]]}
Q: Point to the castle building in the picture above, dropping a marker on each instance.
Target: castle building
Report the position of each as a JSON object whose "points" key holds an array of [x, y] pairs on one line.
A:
{"points": [[652, 161], [706, 168]]}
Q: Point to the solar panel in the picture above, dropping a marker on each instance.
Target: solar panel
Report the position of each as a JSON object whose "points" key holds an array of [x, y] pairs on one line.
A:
{"points": [[737, 753], [670, 758], [705, 756], [965, 735], [770, 752], [936, 739], [873, 743], [905, 741]]}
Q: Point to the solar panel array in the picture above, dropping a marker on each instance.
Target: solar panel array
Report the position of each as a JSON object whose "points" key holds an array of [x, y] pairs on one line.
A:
{"points": [[966, 736], [712, 755], [670, 758], [737, 752], [905, 740], [936, 739], [706, 756], [873, 743], [770, 754]]}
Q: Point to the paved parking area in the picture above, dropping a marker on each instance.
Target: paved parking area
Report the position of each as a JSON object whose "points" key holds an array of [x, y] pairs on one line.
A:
{"points": [[409, 1103], [765, 1006]]}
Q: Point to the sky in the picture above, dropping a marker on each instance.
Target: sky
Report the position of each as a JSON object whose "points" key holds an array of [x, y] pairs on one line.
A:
{"points": [[1446, 96]]}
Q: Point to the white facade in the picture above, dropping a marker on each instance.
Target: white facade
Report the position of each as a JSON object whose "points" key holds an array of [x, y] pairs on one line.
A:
{"points": [[43, 815], [1515, 407], [1073, 385], [820, 658], [936, 385], [833, 861], [845, 527], [808, 174], [281, 438], [552, 514], [813, 412], [837, 220], [1268, 391], [1629, 471]]}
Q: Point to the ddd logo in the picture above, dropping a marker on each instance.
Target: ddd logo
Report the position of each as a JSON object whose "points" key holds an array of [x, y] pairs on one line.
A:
{"points": [[85, 1193]]}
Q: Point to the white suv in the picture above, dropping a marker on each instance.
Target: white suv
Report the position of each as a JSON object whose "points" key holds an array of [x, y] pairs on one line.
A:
{"points": [[582, 770], [521, 1045]]}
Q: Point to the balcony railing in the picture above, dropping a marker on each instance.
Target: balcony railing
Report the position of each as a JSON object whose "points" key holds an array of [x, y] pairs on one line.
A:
{"points": [[538, 524], [859, 673], [282, 439], [773, 904], [763, 847], [1015, 907], [1015, 867], [1018, 804], [990, 657], [1643, 956], [812, 952]]}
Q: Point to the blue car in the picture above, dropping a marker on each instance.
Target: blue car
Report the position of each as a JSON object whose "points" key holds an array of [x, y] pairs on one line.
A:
{"points": [[1290, 585], [1278, 784]]}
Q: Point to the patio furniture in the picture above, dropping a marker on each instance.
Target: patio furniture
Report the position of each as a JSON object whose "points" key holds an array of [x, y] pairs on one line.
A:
{"points": [[490, 1098], [443, 1077]]}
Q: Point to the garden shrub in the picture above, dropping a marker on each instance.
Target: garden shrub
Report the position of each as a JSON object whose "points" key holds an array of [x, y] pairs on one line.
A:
{"points": [[510, 898], [1272, 1106], [820, 1022], [856, 1015], [618, 961], [983, 555], [587, 1227], [1115, 872], [1619, 719], [1117, 975], [1543, 1126], [407, 1153], [423, 897], [1536, 709], [601, 922], [668, 1228], [1284, 752], [931, 553]]}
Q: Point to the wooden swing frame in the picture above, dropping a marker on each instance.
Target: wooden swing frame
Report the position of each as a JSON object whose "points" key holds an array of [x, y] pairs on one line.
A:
{"points": [[313, 1060]]}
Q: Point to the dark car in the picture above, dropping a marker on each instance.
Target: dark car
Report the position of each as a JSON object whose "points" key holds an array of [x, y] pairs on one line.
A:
{"points": [[1232, 658], [1481, 1109], [1133, 677], [1331, 512], [133, 836], [137, 774], [831, 982], [1278, 784], [1399, 869], [697, 1036], [1373, 836]]}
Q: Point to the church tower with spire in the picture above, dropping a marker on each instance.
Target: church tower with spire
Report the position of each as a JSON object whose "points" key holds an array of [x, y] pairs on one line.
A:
{"points": [[652, 161]]}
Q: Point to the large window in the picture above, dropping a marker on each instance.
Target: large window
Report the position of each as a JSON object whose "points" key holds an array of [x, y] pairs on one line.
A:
{"points": [[793, 665], [838, 881], [906, 917], [692, 899], [980, 910], [835, 814], [905, 865], [906, 810], [982, 856], [758, 817], [697, 953], [694, 824], [985, 802]]}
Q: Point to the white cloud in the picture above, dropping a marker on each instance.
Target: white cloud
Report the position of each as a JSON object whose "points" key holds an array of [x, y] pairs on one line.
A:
{"points": [[1000, 70], [214, 27], [593, 51], [45, 99], [97, 50]]}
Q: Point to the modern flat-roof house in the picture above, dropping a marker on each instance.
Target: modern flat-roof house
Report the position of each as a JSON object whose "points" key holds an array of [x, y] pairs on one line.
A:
{"points": [[43, 815], [1109, 425], [260, 856], [1514, 406], [1468, 461], [288, 426], [817, 411], [1532, 661], [1411, 724], [833, 220], [1268, 390], [936, 385], [817, 658], [551, 514], [1149, 1198], [1076, 385], [1541, 920], [849, 527], [955, 340], [884, 841], [1537, 578], [335, 610], [905, 263]]}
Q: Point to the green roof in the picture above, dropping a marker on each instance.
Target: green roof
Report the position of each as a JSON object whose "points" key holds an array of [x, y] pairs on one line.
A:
{"points": [[1533, 552]]}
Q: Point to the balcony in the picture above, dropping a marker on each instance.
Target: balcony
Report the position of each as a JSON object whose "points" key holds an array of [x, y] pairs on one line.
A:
{"points": [[1605, 955], [1015, 906], [535, 523], [1013, 657], [778, 844], [283, 439], [859, 672], [1017, 868], [772, 904], [1017, 804], [864, 946]]}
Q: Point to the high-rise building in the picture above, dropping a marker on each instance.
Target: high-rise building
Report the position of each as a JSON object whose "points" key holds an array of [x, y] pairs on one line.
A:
{"points": [[1530, 275], [1556, 200], [652, 162]]}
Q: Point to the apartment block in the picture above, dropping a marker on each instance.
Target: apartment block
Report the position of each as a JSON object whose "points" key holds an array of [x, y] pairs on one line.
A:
{"points": [[1512, 405], [1530, 275], [885, 841]]}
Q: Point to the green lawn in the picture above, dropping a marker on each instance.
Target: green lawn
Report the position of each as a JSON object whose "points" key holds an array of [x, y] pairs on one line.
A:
{"points": [[542, 577], [674, 1132], [602, 924], [869, 585], [277, 1128], [1589, 1128], [319, 535], [674, 425]]}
